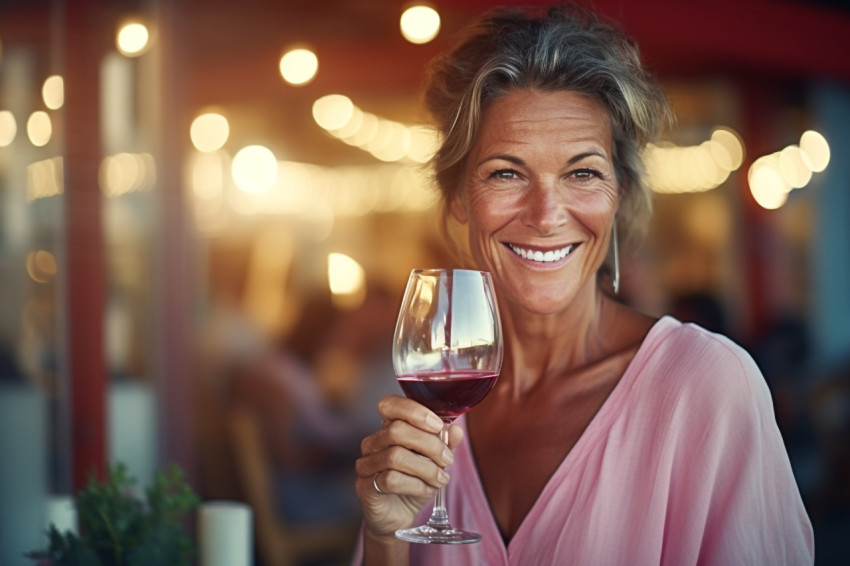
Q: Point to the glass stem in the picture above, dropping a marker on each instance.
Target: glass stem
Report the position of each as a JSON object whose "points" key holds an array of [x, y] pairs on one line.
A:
{"points": [[439, 516]]}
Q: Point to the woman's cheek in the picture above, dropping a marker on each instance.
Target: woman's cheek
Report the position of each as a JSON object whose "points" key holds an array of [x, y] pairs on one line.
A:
{"points": [[489, 205]]}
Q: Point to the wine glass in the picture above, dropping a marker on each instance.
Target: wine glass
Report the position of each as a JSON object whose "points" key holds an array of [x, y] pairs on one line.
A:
{"points": [[447, 354]]}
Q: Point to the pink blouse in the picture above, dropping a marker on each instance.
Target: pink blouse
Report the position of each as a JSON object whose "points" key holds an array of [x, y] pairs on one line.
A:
{"points": [[683, 464]]}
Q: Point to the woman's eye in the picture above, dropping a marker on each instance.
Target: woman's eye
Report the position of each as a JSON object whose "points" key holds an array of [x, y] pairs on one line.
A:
{"points": [[503, 174], [585, 174]]}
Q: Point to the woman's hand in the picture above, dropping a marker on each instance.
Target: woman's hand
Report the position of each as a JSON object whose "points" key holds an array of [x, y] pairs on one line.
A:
{"points": [[405, 458]]}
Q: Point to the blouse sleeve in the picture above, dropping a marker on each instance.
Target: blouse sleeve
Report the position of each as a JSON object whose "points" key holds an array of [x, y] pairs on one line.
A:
{"points": [[742, 501]]}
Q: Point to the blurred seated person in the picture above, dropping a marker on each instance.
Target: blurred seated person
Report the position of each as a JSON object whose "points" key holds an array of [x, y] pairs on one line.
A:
{"points": [[310, 443], [355, 363], [313, 397]]}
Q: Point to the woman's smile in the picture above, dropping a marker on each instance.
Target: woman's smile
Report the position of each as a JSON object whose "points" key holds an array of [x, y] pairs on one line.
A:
{"points": [[542, 255]]}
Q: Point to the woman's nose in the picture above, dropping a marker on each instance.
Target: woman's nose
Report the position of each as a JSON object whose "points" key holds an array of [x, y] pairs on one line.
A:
{"points": [[545, 209]]}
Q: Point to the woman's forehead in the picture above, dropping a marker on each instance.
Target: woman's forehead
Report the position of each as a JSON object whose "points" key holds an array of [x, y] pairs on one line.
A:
{"points": [[521, 116]]}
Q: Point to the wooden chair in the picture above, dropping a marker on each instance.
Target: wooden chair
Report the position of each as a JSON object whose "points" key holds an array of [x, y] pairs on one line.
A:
{"points": [[279, 543]]}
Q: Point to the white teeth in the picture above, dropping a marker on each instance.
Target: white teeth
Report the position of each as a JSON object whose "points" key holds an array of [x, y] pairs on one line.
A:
{"points": [[544, 257]]}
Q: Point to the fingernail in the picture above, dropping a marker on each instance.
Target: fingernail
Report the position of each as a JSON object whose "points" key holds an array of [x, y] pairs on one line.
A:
{"points": [[443, 476], [448, 457], [435, 422]]}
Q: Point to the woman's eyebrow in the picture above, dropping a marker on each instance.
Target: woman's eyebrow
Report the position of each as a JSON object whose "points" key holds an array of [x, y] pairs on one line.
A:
{"points": [[581, 156], [517, 161], [505, 157]]}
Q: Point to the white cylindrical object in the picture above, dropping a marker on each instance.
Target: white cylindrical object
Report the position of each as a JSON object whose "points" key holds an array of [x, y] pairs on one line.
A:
{"points": [[225, 534], [62, 513]]}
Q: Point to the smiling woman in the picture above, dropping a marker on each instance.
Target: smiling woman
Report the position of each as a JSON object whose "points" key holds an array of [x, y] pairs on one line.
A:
{"points": [[630, 439]]}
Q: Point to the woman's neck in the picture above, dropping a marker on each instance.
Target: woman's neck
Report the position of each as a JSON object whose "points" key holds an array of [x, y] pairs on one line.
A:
{"points": [[540, 346]]}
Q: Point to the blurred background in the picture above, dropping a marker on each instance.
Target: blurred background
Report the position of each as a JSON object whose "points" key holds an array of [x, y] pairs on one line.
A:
{"points": [[208, 211]]}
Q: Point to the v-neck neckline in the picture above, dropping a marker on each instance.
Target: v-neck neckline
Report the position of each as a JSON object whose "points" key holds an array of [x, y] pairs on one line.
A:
{"points": [[597, 426]]}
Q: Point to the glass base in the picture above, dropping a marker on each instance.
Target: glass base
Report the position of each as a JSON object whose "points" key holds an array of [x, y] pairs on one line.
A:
{"points": [[427, 534]]}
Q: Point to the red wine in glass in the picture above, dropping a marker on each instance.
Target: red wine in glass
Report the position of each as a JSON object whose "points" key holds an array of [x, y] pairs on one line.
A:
{"points": [[448, 394]]}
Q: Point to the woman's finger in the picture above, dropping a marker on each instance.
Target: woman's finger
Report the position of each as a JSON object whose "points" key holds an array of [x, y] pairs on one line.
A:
{"points": [[393, 483], [408, 474], [395, 407], [455, 437], [398, 459], [397, 483], [401, 433]]}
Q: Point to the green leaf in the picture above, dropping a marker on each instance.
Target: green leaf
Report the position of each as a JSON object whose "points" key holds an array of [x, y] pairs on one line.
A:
{"points": [[119, 529]]}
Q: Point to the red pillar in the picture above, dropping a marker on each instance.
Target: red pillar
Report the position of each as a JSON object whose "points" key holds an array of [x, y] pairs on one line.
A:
{"points": [[85, 275], [175, 297]]}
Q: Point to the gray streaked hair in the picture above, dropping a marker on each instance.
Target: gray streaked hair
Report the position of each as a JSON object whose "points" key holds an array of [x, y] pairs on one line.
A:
{"points": [[563, 48]]}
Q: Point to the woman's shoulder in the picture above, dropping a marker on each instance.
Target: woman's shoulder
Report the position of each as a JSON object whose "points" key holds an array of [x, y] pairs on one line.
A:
{"points": [[686, 355], [689, 343], [695, 384]]}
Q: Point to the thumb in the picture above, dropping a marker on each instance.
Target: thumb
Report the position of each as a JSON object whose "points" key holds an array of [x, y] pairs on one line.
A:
{"points": [[456, 436]]}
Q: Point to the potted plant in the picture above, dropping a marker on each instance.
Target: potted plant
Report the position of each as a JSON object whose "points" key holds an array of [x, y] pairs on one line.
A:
{"points": [[118, 528]]}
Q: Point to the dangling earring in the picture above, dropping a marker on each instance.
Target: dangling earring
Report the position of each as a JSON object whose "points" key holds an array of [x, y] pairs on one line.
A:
{"points": [[616, 280]]}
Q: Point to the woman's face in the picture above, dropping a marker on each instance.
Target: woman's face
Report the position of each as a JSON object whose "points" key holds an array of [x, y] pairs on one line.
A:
{"points": [[539, 196]]}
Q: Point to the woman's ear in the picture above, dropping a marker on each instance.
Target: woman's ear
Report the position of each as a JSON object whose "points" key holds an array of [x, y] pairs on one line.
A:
{"points": [[457, 209]]}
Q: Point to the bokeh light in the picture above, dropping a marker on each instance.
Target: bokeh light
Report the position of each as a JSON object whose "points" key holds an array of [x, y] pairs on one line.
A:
{"points": [[39, 128], [45, 178], [41, 266], [347, 281], [693, 169], [345, 275], [816, 148], [299, 66], [53, 92], [8, 128], [767, 186], [124, 173], [727, 148], [254, 169], [773, 176], [352, 126], [365, 132], [397, 144], [333, 111], [420, 24], [423, 144], [132, 39], [209, 132], [387, 140], [795, 166]]}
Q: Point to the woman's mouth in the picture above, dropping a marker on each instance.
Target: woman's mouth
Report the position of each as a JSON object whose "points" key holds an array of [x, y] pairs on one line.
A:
{"points": [[541, 256]]}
